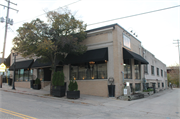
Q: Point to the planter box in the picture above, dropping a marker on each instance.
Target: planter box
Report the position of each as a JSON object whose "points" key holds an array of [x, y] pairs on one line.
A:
{"points": [[151, 92], [111, 90], [37, 86], [32, 83], [145, 93], [73, 94], [59, 91]]}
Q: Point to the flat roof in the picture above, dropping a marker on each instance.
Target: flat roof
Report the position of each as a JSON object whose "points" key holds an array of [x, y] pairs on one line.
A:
{"points": [[112, 25]]}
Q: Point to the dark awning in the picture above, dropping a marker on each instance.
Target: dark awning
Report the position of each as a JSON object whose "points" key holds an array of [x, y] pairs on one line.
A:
{"points": [[39, 63], [131, 55], [91, 55], [22, 65]]}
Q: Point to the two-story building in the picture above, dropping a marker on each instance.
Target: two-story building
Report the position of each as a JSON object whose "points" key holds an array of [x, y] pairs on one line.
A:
{"points": [[112, 52]]}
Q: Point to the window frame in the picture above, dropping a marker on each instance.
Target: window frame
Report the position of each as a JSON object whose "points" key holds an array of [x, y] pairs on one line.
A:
{"points": [[152, 70]]}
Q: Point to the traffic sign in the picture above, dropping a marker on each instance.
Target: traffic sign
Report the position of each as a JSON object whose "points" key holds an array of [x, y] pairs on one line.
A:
{"points": [[2, 67]]}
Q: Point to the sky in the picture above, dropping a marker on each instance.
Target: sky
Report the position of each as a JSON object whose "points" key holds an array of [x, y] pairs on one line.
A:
{"points": [[156, 31]]}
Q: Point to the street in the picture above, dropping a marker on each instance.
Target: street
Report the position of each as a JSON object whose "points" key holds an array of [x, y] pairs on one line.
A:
{"points": [[162, 105]]}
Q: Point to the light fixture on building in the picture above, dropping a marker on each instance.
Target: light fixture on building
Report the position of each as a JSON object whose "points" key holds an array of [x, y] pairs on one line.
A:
{"points": [[91, 63], [74, 78], [83, 78], [106, 61], [92, 77]]}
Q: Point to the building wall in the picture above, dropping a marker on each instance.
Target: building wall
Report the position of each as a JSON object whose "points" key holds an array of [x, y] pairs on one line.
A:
{"points": [[112, 38], [153, 61]]}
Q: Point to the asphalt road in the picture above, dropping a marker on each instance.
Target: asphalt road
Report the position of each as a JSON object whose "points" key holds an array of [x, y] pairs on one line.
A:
{"points": [[163, 105]]}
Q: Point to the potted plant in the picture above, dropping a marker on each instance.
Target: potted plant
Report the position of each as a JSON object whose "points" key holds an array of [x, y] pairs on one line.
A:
{"points": [[148, 91], [73, 92], [37, 84], [59, 86]]}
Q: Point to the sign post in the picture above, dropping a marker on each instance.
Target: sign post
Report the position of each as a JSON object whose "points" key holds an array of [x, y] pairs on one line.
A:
{"points": [[2, 69]]}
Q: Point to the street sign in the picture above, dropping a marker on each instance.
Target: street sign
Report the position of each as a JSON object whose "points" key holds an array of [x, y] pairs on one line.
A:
{"points": [[2, 67], [125, 91]]}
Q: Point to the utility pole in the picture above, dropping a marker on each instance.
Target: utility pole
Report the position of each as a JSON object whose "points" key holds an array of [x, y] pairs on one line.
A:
{"points": [[177, 42], [6, 26]]}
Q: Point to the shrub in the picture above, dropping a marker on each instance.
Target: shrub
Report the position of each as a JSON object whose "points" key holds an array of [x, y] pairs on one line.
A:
{"points": [[73, 86], [58, 79], [54, 81], [37, 81], [148, 90]]}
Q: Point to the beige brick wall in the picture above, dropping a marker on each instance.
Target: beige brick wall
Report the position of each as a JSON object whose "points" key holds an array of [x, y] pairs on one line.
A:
{"points": [[93, 87], [22, 84]]}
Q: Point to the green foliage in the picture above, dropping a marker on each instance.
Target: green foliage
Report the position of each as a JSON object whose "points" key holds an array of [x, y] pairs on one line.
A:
{"points": [[173, 75], [37, 81], [73, 86], [148, 90], [54, 79], [51, 41], [58, 79]]}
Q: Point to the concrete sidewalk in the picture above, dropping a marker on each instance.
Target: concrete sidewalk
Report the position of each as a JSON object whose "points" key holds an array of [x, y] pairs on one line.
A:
{"points": [[86, 99]]}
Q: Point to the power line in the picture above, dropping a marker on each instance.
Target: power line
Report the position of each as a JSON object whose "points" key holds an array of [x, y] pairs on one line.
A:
{"points": [[51, 10], [135, 15]]}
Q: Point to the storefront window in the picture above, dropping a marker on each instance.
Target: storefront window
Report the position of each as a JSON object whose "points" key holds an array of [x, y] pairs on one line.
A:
{"points": [[90, 70], [127, 69], [84, 72], [74, 72], [102, 71], [41, 74], [137, 86], [137, 70], [31, 74], [147, 85], [17, 75], [21, 75], [26, 75]]}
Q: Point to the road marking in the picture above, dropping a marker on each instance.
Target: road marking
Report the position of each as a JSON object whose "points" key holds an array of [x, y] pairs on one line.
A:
{"points": [[16, 114]]}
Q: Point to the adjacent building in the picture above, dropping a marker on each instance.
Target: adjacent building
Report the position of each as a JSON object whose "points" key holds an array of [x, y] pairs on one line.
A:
{"points": [[112, 52]]}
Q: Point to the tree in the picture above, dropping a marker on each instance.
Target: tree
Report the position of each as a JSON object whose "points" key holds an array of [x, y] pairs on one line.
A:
{"points": [[61, 35], [173, 75]]}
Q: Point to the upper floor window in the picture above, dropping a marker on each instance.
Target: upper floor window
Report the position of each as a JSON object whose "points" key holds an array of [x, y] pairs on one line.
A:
{"points": [[127, 41], [158, 71], [146, 68], [152, 70], [161, 72]]}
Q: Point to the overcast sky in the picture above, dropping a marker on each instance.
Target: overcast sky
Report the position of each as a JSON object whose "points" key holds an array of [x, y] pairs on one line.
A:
{"points": [[156, 31]]}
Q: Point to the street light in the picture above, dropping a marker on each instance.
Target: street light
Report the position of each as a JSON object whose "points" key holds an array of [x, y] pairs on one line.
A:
{"points": [[14, 54]]}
